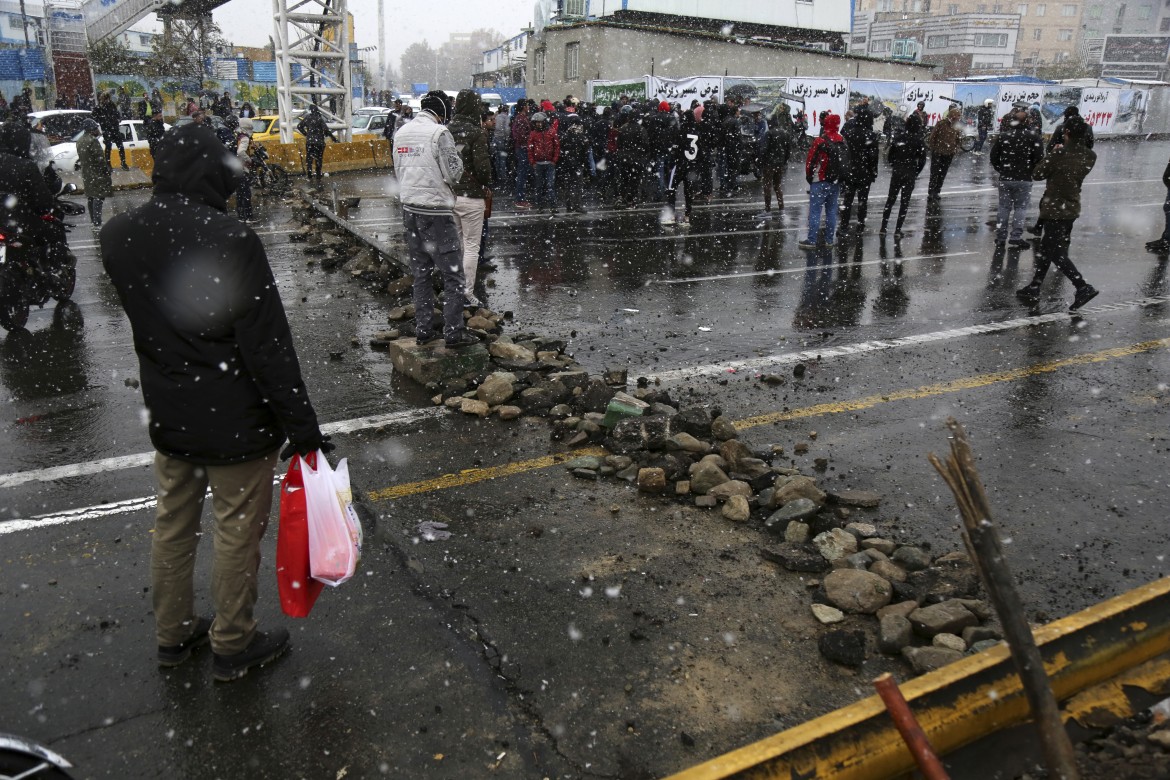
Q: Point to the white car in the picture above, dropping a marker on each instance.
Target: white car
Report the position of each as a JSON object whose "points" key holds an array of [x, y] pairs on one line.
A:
{"points": [[371, 124], [133, 137]]}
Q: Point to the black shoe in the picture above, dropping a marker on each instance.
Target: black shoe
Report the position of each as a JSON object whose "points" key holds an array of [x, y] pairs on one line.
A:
{"points": [[487, 265], [173, 655], [1158, 246], [1085, 294], [426, 339], [1034, 229], [883, 229], [464, 339], [1029, 294], [265, 647], [1019, 243]]}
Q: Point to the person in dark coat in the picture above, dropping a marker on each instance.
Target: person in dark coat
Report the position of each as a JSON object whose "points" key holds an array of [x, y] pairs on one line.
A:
{"points": [[1057, 139], [1064, 170], [109, 119], [576, 164], [471, 140], [776, 153], [633, 154], [222, 383], [710, 139], [27, 196], [1161, 245], [1014, 156], [315, 130], [864, 151], [729, 151], [907, 157], [685, 150], [95, 170]]}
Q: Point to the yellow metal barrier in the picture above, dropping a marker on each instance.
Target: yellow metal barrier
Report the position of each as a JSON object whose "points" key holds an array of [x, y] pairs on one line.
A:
{"points": [[357, 155], [962, 702]]}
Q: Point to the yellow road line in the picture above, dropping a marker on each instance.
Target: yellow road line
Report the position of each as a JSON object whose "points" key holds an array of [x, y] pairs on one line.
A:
{"points": [[472, 476]]}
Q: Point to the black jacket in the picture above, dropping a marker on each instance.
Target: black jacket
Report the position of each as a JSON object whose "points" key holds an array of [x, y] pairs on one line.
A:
{"points": [[1058, 137], [219, 373], [778, 142], [1016, 154], [907, 153], [314, 128], [24, 199], [863, 152]]}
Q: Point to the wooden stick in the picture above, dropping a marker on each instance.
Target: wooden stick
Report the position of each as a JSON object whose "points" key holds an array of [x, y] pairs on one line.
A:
{"points": [[907, 725], [983, 542]]}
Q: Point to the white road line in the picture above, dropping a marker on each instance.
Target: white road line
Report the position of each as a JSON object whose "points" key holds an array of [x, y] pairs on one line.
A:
{"points": [[684, 235], [713, 369], [120, 463], [864, 347], [807, 268]]}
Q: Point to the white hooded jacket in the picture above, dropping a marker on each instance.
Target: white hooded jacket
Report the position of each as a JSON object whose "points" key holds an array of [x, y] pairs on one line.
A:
{"points": [[426, 164]]}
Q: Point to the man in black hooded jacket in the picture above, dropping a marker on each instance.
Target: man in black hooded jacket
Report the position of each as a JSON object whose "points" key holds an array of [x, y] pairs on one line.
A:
{"points": [[222, 383]]}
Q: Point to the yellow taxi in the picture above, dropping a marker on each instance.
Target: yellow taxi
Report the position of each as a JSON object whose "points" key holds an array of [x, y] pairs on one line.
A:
{"points": [[267, 128]]}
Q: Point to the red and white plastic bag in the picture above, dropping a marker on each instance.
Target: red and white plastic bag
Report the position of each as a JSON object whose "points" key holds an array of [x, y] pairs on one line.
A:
{"points": [[335, 533]]}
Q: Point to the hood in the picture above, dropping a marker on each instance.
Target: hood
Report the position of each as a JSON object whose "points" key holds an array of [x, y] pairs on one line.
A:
{"points": [[546, 106], [832, 123], [467, 104], [192, 161]]}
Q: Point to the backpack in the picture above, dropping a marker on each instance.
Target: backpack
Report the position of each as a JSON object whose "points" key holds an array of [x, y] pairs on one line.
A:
{"points": [[838, 160]]}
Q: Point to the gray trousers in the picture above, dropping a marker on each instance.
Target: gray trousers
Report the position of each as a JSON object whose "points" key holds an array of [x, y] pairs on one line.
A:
{"points": [[1014, 198], [433, 241]]}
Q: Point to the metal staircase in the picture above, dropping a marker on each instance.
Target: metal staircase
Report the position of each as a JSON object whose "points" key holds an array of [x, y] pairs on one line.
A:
{"points": [[104, 18]]}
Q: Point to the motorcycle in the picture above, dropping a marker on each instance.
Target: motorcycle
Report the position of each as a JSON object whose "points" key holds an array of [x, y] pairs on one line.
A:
{"points": [[32, 273]]}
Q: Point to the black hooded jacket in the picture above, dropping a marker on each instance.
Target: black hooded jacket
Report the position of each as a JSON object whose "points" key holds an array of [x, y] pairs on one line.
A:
{"points": [[863, 149], [1017, 152], [219, 373]]}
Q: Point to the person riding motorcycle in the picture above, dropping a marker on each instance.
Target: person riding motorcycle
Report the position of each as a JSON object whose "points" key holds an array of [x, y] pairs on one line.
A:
{"points": [[28, 204]]}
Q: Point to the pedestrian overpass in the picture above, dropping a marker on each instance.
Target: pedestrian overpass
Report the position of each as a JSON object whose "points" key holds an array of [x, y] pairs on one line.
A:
{"points": [[313, 34]]}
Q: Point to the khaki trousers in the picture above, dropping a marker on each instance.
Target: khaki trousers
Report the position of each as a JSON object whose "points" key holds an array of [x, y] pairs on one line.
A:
{"points": [[241, 498], [469, 219]]}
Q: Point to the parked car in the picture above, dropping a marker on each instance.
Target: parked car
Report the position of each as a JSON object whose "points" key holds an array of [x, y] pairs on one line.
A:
{"points": [[60, 124], [133, 137], [267, 128], [493, 99], [211, 120], [370, 124]]}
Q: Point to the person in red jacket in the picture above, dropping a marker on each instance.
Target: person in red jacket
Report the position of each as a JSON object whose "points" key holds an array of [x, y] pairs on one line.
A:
{"points": [[827, 160], [544, 150]]}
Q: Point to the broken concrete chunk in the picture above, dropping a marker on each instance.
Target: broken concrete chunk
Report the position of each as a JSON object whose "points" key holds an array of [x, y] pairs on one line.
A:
{"points": [[737, 509], [857, 591], [834, 544], [948, 617]]}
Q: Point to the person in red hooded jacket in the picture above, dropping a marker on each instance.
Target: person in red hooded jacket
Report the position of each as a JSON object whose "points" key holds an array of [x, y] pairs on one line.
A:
{"points": [[828, 159], [544, 151]]}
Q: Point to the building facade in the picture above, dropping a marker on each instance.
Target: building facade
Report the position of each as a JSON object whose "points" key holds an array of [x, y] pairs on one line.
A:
{"points": [[503, 66], [561, 58], [1050, 33], [961, 45]]}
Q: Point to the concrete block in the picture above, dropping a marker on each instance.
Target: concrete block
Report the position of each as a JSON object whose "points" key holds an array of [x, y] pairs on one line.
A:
{"points": [[435, 363]]}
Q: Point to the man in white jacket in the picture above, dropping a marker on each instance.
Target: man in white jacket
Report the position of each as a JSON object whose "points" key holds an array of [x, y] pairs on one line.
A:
{"points": [[427, 164]]}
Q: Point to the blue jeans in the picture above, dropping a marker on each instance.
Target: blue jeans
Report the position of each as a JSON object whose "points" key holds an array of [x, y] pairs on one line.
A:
{"points": [[522, 170], [545, 195], [1014, 197], [823, 195]]}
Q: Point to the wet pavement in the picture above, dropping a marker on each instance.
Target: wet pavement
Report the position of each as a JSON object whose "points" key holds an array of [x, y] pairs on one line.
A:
{"points": [[552, 636]]}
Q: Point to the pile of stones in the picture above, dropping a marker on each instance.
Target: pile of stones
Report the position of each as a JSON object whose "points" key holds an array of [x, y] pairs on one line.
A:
{"points": [[330, 247]]}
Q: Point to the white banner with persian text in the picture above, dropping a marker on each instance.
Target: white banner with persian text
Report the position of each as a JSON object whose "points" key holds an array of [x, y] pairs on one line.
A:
{"points": [[820, 95], [933, 94], [683, 91]]}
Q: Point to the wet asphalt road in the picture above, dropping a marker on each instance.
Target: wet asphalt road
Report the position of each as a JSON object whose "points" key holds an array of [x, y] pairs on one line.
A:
{"points": [[552, 636]]}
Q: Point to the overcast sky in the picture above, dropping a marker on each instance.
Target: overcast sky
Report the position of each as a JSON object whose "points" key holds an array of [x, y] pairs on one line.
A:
{"points": [[249, 22]]}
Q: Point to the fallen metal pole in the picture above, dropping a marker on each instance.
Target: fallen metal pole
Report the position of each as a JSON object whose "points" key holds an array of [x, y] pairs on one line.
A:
{"points": [[983, 543], [907, 725], [382, 248]]}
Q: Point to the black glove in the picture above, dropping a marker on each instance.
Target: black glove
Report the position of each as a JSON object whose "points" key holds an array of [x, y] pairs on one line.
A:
{"points": [[304, 448]]}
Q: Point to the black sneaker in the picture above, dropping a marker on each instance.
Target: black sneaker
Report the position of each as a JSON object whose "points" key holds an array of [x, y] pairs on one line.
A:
{"points": [[425, 339], [1158, 246], [1029, 294], [464, 339], [1019, 243], [1085, 294], [265, 647], [173, 655], [1034, 229]]}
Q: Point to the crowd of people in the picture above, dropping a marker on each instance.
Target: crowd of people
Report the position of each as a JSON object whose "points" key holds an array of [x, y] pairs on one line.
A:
{"points": [[552, 155]]}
